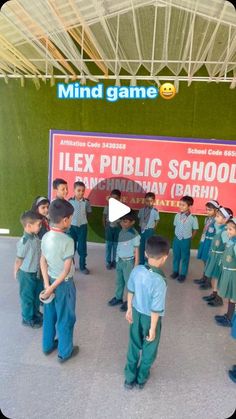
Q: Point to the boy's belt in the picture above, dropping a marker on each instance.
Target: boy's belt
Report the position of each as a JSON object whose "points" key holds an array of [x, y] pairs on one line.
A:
{"points": [[216, 251], [229, 269], [130, 258]]}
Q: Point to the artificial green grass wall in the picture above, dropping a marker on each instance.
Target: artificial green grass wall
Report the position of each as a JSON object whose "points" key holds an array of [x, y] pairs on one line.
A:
{"points": [[203, 110]]}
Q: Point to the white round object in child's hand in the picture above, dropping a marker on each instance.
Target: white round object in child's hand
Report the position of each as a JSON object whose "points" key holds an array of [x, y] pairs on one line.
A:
{"points": [[46, 300]]}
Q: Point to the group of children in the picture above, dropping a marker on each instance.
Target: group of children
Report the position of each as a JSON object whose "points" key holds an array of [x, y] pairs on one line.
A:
{"points": [[46, 269]]}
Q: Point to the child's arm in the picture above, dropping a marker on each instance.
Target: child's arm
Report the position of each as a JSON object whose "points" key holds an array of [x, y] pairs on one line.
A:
{"points": [[195, 227], [17, 265], [194, 233], [44, 270], [152, 330], [156, 222], [136, 256], [51, 288], [128, 315]]}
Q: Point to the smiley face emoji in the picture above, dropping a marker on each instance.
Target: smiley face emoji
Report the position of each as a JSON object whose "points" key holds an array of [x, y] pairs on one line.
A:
{"points": [[167, 91]]}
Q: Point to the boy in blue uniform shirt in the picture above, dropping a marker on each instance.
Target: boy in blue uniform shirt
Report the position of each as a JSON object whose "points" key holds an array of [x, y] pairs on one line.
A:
{"points": [[79, 224], [127, 256], [148, 219], [58, 269], [112, 230], [146, 305], [26, 269], [186, 226]]}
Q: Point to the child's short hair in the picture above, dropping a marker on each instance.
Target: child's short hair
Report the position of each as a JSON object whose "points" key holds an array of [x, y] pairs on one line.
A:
{"points": [[130, 216], [58, 181], [213, 204], [116, 192], [156, 247], [59, 209], [226, 212], [150, 195], [188, 200], [79, 183], [29, 217], [39, 200]]}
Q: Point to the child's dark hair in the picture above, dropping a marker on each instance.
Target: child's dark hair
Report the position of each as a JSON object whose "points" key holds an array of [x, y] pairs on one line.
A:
{"points": [[226, 212], [57, 182], [213, 205], [30, 217], [150, 195], [188, 200], [39, 200], [131, 216], [116, 192], [59, 209], [79, 183], [156, 247]]}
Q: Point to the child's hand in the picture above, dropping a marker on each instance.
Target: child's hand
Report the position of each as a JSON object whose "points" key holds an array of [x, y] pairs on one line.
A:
{"points": [[129, 316], [151, 336], [48, 291]]}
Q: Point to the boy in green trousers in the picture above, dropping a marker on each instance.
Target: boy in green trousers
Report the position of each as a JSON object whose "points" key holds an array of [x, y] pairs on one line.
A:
{"points": [[127, 256], [26, 269], [146, 304]]}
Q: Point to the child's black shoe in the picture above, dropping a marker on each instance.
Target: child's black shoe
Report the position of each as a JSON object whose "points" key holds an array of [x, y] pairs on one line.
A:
{"points": [[32, 323], [55, 345], [123, 307], [129, 386], [74, 352], [114, 302], [109, 266], [209, 297], [85, 271], [181, 278], [140, 386], [174, 275], [225, 322], [232, 375], [217, 302]]}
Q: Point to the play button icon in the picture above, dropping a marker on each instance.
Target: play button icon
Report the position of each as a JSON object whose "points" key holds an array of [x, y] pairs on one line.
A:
{"points": [[116, 209]]}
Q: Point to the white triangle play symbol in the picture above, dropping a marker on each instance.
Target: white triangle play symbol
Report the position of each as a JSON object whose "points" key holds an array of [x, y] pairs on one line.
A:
{"points": [[116, 210]]}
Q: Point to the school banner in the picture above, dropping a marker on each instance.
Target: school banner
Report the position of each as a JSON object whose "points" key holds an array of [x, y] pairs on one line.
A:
{"points": [[168, 166]]}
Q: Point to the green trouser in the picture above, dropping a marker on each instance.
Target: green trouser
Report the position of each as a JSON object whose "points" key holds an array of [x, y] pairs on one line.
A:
{"points": [[123, 270], [139, 329], [30, 288]]}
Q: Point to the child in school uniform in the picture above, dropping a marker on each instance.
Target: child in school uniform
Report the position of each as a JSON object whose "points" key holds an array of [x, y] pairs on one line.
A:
{"points": [[79, 223], [213, 265], [148, 219], [206, 239], [112, 230], [41, 206], [127, 256], [60, 188], [186, 226], [58, 269], [26, 269], [227, 281], [146, 306]]}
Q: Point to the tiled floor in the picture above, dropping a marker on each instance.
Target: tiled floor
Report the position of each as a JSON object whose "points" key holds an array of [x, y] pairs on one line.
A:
{"points": [[189, 379]]}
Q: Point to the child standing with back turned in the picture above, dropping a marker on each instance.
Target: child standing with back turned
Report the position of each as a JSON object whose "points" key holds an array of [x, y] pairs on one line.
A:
{"points": [[146, 305], [58, 269]]}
